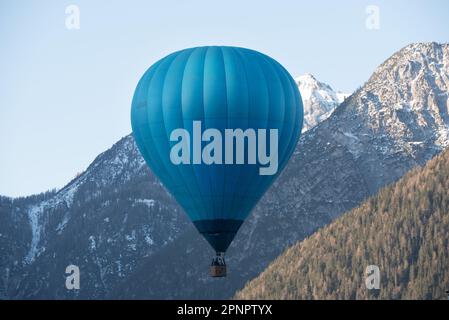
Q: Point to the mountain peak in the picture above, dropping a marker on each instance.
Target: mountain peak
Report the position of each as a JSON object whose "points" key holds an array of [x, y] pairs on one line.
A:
{"points": [[306, 77], [413, 58], [319, 100], [423, 46], [407, 98], [309, 80]]}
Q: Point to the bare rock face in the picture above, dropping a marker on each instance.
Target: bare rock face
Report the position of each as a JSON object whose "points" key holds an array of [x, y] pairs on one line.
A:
{"points": [[131, 240]]}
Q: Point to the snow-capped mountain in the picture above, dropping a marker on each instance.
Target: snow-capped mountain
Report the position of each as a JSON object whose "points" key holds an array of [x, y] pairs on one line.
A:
{"points": [[131, 240], [105, 221], [319, 100]]}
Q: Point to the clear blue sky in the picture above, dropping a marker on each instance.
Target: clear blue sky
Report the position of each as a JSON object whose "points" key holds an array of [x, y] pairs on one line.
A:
{"points": [[65, 94]]}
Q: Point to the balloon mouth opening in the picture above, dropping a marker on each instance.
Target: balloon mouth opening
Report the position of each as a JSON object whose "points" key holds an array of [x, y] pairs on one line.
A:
{"points": [[218, 266], [219, 233]]}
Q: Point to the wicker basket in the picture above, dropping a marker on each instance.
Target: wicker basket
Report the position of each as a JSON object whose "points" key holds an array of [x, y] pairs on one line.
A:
{"points": [[217, 271]]}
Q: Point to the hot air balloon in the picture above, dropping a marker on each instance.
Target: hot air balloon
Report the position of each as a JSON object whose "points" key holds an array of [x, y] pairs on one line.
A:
{"points": [[217, 125]]}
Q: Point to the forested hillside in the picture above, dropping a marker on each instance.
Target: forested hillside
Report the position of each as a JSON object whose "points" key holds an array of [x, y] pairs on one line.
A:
{"points": [[404, 230]]}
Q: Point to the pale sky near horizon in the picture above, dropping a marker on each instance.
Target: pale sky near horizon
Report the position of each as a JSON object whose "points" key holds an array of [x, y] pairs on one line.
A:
{"points": [[65, 95]]}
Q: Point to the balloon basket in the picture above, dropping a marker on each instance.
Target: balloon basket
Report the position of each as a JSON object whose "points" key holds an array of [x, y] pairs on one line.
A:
{"points": [[218, 266]]}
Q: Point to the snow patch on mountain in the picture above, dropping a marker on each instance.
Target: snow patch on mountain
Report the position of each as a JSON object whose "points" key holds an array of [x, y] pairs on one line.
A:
{"points": [[148, 202], [34, 214]]}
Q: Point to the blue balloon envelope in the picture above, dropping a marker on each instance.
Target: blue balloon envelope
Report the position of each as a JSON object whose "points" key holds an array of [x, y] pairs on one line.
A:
{"points": [[223, 88]]}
